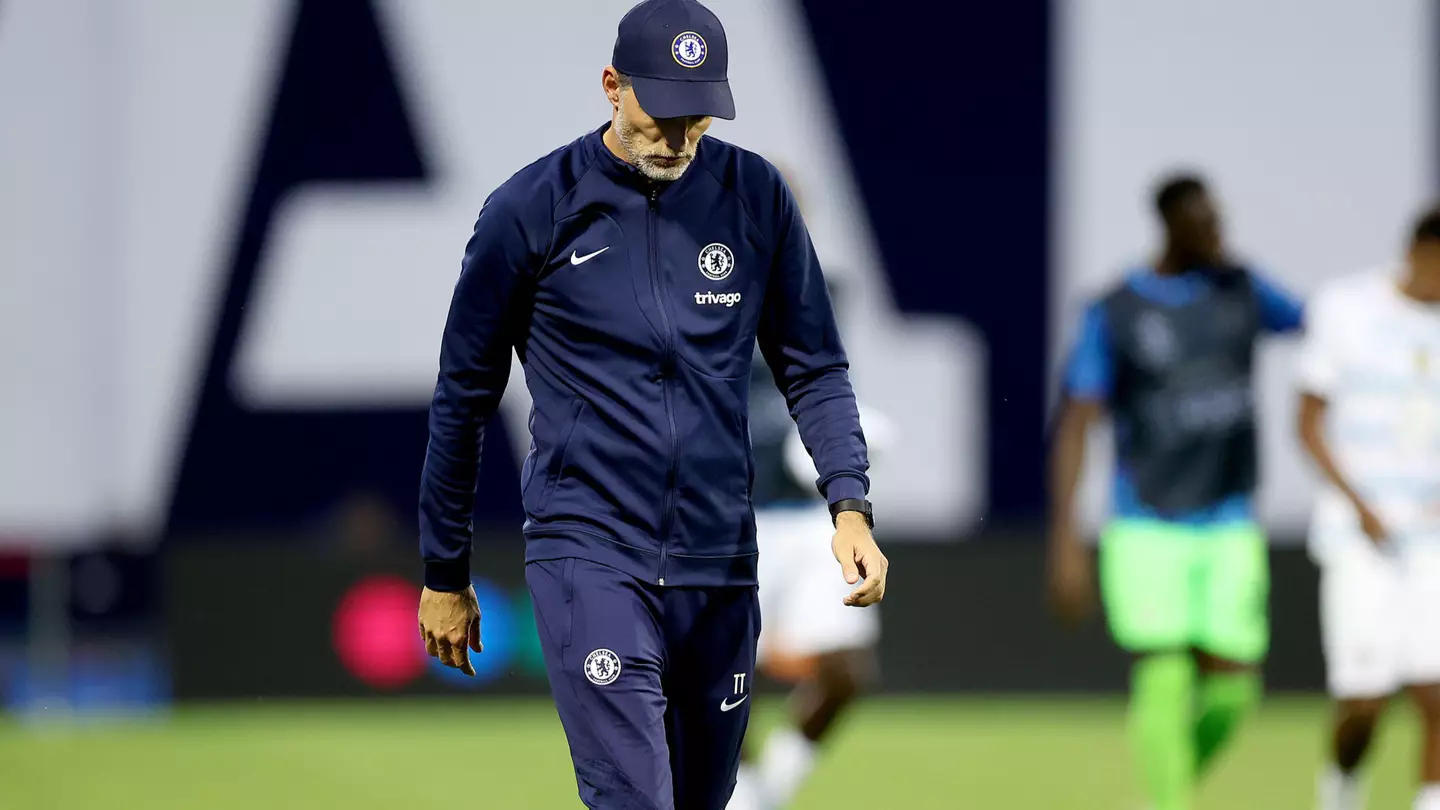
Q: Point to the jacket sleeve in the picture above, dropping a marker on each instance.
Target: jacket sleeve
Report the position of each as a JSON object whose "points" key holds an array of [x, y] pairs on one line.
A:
{"points": [[801, 343], [485, 311]]}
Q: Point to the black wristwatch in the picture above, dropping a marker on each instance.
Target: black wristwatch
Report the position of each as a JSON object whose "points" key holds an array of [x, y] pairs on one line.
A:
{"points": [[852, 505]]}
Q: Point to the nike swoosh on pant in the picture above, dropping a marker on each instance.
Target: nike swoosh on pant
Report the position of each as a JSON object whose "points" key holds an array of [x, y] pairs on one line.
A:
{"points": [[726, 705]]}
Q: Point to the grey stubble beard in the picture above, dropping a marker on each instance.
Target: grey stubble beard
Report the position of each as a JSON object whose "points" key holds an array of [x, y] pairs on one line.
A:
{"points": [[640, 159]]}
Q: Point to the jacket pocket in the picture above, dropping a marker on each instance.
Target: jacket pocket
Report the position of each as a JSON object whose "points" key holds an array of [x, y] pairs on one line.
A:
{"points": [[557, 461], [529, 468], [568, 582]]}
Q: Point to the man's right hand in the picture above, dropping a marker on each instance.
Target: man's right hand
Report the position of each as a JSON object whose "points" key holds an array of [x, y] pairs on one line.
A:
{"points": [[1072, 578], [449, 624], [1370, 523]]}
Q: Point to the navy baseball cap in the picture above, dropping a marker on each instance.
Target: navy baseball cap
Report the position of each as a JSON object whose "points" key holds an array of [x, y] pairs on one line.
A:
{"points": [[675, 54]]}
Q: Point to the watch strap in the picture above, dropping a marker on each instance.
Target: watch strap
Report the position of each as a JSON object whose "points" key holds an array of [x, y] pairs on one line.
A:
{"points": [[852, 505]]}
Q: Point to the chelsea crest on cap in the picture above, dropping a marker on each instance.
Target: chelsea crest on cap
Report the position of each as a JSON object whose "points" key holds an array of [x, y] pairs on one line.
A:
{"points": [[675, 53]]}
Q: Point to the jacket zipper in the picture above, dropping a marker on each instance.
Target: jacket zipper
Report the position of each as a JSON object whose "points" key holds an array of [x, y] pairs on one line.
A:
{"points": [[667, 368]]}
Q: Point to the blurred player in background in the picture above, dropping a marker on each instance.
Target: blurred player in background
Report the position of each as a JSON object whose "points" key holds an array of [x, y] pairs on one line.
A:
{"points": [[1168, 353], [1370, 418], [810, 637]]}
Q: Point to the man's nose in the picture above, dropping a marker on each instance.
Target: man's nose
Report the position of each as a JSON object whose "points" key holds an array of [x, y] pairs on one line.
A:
{"points": [[676, 132]]}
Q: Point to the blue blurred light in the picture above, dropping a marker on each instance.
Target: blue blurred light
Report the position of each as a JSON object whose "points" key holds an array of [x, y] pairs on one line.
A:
{"points": [[527, 637], [109, 679], [497, 632]]}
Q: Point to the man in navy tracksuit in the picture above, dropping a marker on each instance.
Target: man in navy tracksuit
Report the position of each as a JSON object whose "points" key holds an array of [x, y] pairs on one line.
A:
{"points": [[633, 271]]}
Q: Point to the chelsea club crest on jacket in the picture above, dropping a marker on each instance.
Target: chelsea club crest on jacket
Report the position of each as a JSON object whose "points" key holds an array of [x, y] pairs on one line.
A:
{"points": [[634, 308]]}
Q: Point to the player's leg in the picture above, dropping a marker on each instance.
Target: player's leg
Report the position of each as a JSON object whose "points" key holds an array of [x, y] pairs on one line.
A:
{"points": [[835, 679], [1232, 632], [1358, 613], [840, 677], [775, 593], [601, 635], [1145, 583], [711, 636], [1352, 730], [1227, 692], [830, 649], [1427, 701], [747, 795], [1420, 654]]}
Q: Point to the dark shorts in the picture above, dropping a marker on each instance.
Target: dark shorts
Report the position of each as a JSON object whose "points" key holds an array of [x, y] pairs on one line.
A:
{"points": [[652, 684]]}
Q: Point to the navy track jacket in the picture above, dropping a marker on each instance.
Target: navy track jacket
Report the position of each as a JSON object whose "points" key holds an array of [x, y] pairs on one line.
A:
{"points": [[634, 307]]}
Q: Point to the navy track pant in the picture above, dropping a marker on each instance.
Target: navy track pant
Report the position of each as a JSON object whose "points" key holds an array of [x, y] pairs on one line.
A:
{"points": [[652, 683]]}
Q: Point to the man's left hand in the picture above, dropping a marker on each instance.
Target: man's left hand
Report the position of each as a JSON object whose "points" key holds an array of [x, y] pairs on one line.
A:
{"points": [[855, 550], [450, 626]]}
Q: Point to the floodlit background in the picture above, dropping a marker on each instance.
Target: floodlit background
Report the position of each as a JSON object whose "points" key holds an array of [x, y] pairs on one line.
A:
{"points": [[228, 232]]}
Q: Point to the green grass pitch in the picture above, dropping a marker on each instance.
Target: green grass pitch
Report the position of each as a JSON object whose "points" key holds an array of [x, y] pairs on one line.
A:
{"points": [[911, 753]]}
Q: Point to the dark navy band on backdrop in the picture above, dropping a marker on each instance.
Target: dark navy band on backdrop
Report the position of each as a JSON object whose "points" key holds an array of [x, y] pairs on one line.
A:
{"points": [[957, 187], [337, 116]]}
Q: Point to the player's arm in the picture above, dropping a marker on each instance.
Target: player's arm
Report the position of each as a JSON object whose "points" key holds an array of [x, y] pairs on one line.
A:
{"points": [[1085, 389], [800, 341], [475, 352], [1319, 374], [1312, 436], [1067, 460]]}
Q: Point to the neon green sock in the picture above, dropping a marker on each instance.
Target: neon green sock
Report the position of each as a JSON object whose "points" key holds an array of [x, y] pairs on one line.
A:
{"points": [[1162, 694], [1225, 699]]}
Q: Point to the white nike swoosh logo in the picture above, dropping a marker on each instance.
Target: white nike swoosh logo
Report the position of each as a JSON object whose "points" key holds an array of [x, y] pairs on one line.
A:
{"points": [[578, 259], [726, 705]]}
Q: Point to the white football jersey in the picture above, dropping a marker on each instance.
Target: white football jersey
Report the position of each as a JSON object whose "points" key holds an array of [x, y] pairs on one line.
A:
{"points": [[1374, 355]]}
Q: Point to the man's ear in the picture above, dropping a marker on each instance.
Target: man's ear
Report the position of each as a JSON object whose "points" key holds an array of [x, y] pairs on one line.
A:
{"points": [[610, 82]]}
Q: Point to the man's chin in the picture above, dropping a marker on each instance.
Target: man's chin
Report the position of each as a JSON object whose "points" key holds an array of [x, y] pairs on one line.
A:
{"points": [[664, 170]]}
